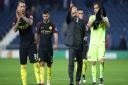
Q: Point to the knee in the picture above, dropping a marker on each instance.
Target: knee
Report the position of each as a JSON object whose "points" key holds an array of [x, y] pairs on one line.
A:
{"points": [[80, 63], [70, 66], [49, 64], [94, 63], [102, 61], [42, 64], [71, 62], [23, 66]]}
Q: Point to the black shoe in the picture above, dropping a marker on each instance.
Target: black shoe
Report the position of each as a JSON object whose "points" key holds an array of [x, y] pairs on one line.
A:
{"points": [[71, 84], [94, 83], [101, 81]]}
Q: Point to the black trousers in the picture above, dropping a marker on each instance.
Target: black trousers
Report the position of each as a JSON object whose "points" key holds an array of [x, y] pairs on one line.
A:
{"points": [[75, 53]]}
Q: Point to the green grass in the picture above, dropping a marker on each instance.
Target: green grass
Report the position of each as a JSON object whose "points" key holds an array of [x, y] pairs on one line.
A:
{"points": [[116, 72]]}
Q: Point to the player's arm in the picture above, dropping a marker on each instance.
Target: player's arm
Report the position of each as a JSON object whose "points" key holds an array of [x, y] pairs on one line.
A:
{"points": [[15, 26], [28, 20], [85, 32], [16, 22], [106, 21], [55, 34], [91, 21], [37, 38], [55, 40], [37, 34]]}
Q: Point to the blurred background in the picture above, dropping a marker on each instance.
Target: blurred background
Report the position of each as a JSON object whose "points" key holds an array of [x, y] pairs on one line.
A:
{"points": [[116, 35]]}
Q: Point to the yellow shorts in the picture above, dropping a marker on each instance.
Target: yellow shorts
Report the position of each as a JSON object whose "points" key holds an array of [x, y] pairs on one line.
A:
{"points": [[96, 52]]}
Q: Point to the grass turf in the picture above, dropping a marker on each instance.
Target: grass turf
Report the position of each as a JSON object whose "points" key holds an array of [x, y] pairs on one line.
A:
{"points": [[116, 72]]}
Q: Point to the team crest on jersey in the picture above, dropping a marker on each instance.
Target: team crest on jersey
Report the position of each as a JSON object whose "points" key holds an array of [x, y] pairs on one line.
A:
{"points": [[50, 27]]}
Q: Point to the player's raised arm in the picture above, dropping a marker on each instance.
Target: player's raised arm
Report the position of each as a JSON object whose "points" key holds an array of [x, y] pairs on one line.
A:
{"points": [[15, 25], [105, 18], [28, 20], [106, 21], [16, 22], [91, 21]]}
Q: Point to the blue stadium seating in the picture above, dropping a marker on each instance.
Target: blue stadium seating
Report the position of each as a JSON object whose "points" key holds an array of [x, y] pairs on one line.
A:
{"points": [[117, 14]]}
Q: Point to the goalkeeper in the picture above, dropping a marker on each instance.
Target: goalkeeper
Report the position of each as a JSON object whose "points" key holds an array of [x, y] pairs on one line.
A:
{"points": [[98, 24]]}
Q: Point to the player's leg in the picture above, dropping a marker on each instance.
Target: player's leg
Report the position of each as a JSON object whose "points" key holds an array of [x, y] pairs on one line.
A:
{"points": [[94, 71], [49, 65], [101, 54], [71, 65], [23, 62], [49, 73], [101, 71], [42, 72], [84, 69], [42, 56], [32, 53], [79, 59], [92, 56], [37, 72]]}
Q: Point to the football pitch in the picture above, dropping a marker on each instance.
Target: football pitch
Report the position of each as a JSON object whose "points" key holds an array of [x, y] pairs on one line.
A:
{"points": [[116, 72]]}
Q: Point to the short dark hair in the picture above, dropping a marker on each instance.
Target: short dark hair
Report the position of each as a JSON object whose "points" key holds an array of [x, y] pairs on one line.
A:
{"points": [[21, 1], [45, 11], [97, 3], [80, 9]]}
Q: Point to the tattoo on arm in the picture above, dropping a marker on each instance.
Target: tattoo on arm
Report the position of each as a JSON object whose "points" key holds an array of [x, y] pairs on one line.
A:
{"points": [[28, 20]]}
